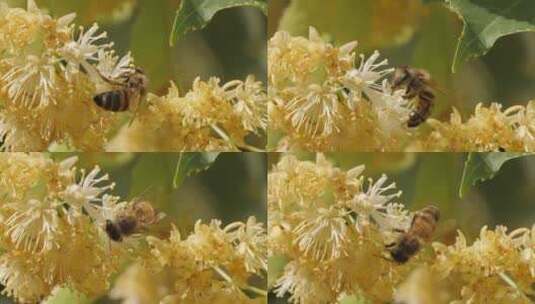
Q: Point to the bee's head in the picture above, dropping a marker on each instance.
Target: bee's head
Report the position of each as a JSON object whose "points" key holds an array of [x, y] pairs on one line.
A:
{"points": [[138, 80], [139, 70], [400, 76]]}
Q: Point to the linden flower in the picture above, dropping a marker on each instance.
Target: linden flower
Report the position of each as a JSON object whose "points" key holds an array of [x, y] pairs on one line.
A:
{"points": [[332, 228], [376, 205], [49, 73], [527, 246], [210, 117], [494, 269], [301, 283], [51, 232], [489, 129], [321, 100], [250, 238], [212, 265], [324, 236], [84, 195]]}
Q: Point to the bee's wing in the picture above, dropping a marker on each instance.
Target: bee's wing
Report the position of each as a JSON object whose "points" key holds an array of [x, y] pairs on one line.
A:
{"points": [[430, 81], [136, 110], [109, 80], [446, 232], [133, 118], [439, 89], [160, 227], [435, 86]]}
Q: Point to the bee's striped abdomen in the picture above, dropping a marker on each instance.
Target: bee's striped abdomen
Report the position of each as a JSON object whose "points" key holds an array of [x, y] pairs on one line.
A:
{"points": [[415, 119], [427, 96], [423, 108], [115, 101]]}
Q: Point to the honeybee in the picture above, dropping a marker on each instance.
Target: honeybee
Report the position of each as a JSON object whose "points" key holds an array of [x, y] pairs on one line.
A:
{"points": [[417, 83], [128, 91], [421, 230], [131, 219]]}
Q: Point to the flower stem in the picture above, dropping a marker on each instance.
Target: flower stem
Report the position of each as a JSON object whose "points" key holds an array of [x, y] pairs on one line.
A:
{"points": [[227, 278], [509, 281], [256, 290], [225, 137], [223, 274], [221, 133]]}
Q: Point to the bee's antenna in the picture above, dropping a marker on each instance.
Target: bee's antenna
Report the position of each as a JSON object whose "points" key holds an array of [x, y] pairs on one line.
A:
{"points": [[144, 192]]}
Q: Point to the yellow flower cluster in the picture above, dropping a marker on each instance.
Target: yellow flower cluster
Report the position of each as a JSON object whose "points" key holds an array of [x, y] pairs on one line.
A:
{"points": [[51, 229], [332, 230], [213, 264], [332, 227], [488, 129], [499, 267], [320, 100], [210, 117], [49, 73]]}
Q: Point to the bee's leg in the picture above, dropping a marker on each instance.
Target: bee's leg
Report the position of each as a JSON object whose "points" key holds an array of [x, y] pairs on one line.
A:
{"points": [[384, 257], [136, 108], [410, 93]]}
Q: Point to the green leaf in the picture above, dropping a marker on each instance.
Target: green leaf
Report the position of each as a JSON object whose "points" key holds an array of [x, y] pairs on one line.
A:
{"points": [[480, 167], [152, 173], [66, 296], [192, 163], [193, 15], [148, 43], [485, 21]]}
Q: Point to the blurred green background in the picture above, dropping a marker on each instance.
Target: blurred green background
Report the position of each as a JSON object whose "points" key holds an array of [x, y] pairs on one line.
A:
{"points": [[421, 35], [231, 47], [424, 178]]}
